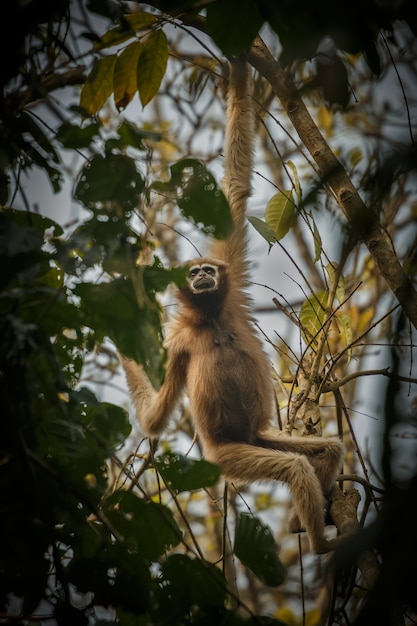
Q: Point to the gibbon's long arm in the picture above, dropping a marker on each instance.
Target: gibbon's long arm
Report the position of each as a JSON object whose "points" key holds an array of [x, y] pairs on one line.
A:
{"points": [[153, 408], [238, 157]]}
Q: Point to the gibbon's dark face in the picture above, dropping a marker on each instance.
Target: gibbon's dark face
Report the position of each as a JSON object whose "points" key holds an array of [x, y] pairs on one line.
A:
{"points": [[203, 278]]}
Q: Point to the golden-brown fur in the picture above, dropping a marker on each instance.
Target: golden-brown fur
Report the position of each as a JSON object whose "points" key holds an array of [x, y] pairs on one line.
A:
{"points": [[215, 354]]}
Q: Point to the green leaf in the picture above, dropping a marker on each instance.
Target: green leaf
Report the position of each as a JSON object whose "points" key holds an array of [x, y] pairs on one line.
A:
{"points": [[312, 313], [107, 422], [255, 546], [233, 30], [125, 75], [280, 212], [32, 220], [112, 310], [200, 198], [99, 85], [112, 178], [109, 242], [184, 474], [21, 251], [188, 583], [152, 66], [263, 229], [114, 573], [72, 136], [126, 30], [131, 135], [148, 528], [317, 243]]}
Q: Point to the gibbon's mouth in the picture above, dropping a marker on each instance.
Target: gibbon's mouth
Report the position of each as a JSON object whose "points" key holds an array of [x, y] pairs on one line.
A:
{"points": [[204, 283]]}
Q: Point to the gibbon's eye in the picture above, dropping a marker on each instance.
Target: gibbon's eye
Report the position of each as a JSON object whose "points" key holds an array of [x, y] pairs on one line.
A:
{"points": [[208, 269], [194, 271]]}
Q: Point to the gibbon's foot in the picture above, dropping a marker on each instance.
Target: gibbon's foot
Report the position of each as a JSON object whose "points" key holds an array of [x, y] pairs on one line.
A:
{"points": [[328, 545]]}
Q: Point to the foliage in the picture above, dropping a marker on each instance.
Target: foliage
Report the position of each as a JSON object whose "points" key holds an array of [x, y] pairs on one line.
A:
{"points": [[96, 527]]}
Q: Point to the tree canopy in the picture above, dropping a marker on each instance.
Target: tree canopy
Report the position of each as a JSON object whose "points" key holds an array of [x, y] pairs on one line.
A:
{"points": [[118, 109]]}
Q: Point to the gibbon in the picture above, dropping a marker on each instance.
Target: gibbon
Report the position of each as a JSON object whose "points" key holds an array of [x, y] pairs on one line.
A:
{"points": [[215, 354]]}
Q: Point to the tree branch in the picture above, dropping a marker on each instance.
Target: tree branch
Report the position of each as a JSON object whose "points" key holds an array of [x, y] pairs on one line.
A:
{"points": [[362, 220], [73, 76]]}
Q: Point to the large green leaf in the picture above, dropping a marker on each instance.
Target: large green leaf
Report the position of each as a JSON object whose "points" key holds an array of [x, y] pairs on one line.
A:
{"points": [[263, 229], [106, 424], [147, 527], [255, 546], [74, 137], [110, 178], [111, 310], [233, 30], [199, 197], [21, 247], [110, 243], [116, 576], [188, 585], [184, 474]]}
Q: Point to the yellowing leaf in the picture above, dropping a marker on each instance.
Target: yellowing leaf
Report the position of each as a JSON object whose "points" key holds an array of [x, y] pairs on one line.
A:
{"points": [[317, 243], [279, 213], [312, 314], [99, 85], [355, 156], [91, 481], [296, 180], [125, 74], [286, 616], [325, 120], [344, 321], [152, 66], [313, 618]]}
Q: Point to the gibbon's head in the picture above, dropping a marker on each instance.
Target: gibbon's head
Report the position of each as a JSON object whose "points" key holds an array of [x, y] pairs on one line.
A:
{"points": [[206, 282]]}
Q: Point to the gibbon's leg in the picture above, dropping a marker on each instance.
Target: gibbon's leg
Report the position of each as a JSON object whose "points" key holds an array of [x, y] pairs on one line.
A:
{"points": [[248, 463], [324, 454]]}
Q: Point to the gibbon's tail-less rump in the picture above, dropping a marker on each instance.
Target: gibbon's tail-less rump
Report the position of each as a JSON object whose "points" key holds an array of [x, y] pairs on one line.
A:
{"points": [[215, 354]]}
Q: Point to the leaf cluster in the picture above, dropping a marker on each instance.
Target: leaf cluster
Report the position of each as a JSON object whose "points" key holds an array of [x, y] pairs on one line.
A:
{"points": [[64, 533]]}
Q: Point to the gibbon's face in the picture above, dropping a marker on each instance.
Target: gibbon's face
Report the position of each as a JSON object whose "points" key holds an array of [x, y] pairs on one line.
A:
{"points": [[203, 278]]}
